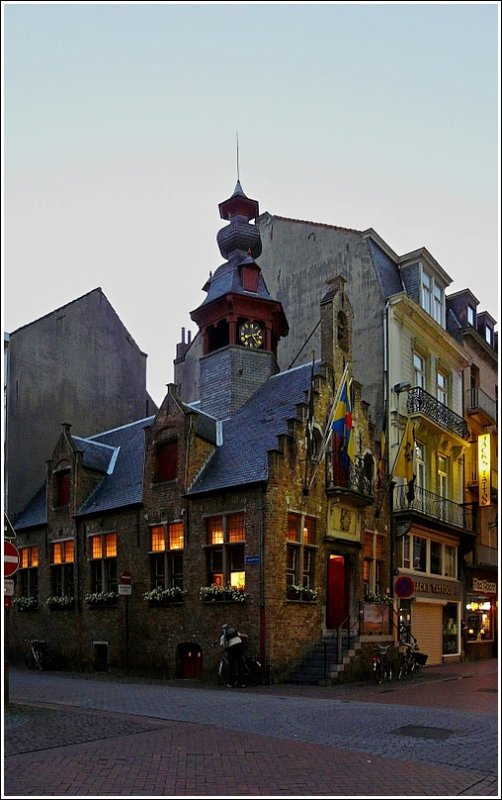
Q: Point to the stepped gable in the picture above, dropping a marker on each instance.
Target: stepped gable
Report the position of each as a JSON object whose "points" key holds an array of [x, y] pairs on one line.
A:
{"points": [[253, 432]]}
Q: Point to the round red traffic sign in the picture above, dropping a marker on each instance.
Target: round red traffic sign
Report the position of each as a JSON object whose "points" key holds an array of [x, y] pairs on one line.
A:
{"points": [[10, 559], [126, 577], [404, 586]]}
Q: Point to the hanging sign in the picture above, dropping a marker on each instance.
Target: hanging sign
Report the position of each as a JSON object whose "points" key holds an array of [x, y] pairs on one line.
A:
{"points": [[484, 469]]}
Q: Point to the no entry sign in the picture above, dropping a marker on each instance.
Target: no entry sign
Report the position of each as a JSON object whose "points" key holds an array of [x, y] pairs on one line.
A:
{"points": [[10, 559], [404, 586]]}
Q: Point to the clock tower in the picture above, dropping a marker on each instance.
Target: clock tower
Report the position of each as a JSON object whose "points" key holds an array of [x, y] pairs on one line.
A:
{"points": [[240, 324]]}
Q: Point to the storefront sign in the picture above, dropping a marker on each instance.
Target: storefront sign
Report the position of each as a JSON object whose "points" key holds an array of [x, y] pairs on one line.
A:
{"points": [[484, 466], [487, 587], [449, 590]]}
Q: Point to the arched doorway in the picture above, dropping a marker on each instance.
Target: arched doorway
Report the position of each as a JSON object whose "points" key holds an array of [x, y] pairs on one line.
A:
{"points": [[338, 591], [188, 660]]}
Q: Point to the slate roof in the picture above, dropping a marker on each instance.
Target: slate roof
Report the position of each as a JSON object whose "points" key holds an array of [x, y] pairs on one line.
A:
{"points": [[241, 459], [387, 271], [227, 278], [34, 513], [253, 431], [96, 456], [124, 486]]}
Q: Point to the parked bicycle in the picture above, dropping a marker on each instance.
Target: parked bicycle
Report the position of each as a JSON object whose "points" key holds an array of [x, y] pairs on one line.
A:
{"points": [[381, 666], [36, 656], [252, 669], [411, 660]]}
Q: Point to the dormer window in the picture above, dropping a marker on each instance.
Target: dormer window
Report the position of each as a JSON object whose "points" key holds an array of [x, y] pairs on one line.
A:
{"points": [[166, 461], [433, 298], [250, 276], [61, 488], [489, 335], [471, 315]]}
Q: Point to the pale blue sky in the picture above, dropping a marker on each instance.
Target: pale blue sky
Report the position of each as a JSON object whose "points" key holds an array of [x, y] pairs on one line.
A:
{"points": [[120, 123]]}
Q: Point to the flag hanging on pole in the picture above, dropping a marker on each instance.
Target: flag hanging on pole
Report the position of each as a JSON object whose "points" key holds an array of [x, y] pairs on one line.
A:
{"points": [[343, 434], [404, 465]]}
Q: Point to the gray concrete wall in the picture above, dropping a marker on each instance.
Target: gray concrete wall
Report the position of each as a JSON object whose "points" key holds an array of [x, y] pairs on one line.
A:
{"points": [[79, 365]]}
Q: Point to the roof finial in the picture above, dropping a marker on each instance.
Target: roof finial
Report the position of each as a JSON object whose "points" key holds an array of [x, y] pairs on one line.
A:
{"points": [[237, 143]]}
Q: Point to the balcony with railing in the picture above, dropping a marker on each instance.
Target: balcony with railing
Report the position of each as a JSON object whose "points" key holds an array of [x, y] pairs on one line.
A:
{"points": [[479, 405], [350, 480], [421, 402], [423, 503]]}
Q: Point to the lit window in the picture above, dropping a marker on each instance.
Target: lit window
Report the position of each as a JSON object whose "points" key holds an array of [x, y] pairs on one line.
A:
{"points": [[166, 555], [103, 555], [62, 571], [300, 551], [226, 536], [28, 571]]}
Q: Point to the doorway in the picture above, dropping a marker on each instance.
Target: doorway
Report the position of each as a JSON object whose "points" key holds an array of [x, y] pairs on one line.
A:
{"points": [[338, 592], [189, 660]]}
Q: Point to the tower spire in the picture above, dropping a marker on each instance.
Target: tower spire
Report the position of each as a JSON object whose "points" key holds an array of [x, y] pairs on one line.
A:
{"points": [[237, 153]]}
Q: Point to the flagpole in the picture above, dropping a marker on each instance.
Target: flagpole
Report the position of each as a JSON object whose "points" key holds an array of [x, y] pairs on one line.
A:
{"points": [[328, 429]]}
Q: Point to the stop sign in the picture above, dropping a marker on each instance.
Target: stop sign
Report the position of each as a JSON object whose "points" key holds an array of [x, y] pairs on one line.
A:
{"points": [[10, 559]]}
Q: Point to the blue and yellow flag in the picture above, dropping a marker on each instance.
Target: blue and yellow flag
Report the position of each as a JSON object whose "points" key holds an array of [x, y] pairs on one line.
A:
{"points": [[343, 433]]}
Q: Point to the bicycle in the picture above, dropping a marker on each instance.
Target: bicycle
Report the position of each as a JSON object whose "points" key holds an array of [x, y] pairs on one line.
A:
{"points": [[35, 657], [252, 670], [381, 667], [411, 660]]}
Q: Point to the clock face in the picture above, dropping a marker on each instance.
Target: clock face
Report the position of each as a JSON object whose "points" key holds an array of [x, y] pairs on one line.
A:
{"points": [[251, 334]]}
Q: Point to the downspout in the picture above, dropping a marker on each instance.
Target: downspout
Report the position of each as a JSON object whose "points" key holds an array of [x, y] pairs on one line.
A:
{"points": [[263, 619]]}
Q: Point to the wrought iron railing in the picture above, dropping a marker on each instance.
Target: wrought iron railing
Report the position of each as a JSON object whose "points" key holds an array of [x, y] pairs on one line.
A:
{"points": [[476, 398], [352, 475], [420, 401], [432, 505]]}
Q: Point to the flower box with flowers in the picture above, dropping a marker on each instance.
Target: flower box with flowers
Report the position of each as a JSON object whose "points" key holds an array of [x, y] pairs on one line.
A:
{"points": [[165, 597], [218, 594], [101, 599], [25, 603], [60, 602], [304, 593]]}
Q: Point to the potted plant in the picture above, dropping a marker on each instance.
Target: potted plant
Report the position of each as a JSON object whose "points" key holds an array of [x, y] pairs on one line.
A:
{"points": [[308, 593], [161, 597]]}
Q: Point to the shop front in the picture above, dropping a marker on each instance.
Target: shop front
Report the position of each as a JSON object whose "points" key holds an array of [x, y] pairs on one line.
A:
{"points": [[433, 616], [479, 620]]}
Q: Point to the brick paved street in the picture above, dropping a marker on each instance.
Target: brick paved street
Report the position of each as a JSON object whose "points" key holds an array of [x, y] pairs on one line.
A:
{"points": [[104, 736]]}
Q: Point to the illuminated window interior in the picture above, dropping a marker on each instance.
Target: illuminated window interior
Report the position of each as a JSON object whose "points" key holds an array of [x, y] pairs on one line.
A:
{"points": [[235, 526], [176, 536], [215, 530], [157, 539]]}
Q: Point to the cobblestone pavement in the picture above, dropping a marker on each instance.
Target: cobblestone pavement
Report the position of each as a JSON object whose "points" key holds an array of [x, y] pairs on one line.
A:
{"points": [[105, 736]]}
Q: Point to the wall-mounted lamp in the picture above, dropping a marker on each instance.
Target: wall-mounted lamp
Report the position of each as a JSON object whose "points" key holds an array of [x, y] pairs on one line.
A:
{"points": [[404, 386]]}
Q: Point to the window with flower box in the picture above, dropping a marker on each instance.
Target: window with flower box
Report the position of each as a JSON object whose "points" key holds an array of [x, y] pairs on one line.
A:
{"points": [[300, 550], [166, 546], [62, 555], [225, 544], [103, 562], [27, 582]]}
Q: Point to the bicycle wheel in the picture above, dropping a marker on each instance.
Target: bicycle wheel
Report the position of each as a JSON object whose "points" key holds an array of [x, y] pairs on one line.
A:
{"points": [[403, 668], [30, 661], [378, 673]]}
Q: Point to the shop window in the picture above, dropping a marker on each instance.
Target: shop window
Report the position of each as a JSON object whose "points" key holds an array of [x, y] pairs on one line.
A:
{"points": [[300, 550], [62, 572], [27, 578], [451, 642], [166, 555], [226, 537], [479, 618], [103, 562], [166, 468], [419, 554]]}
